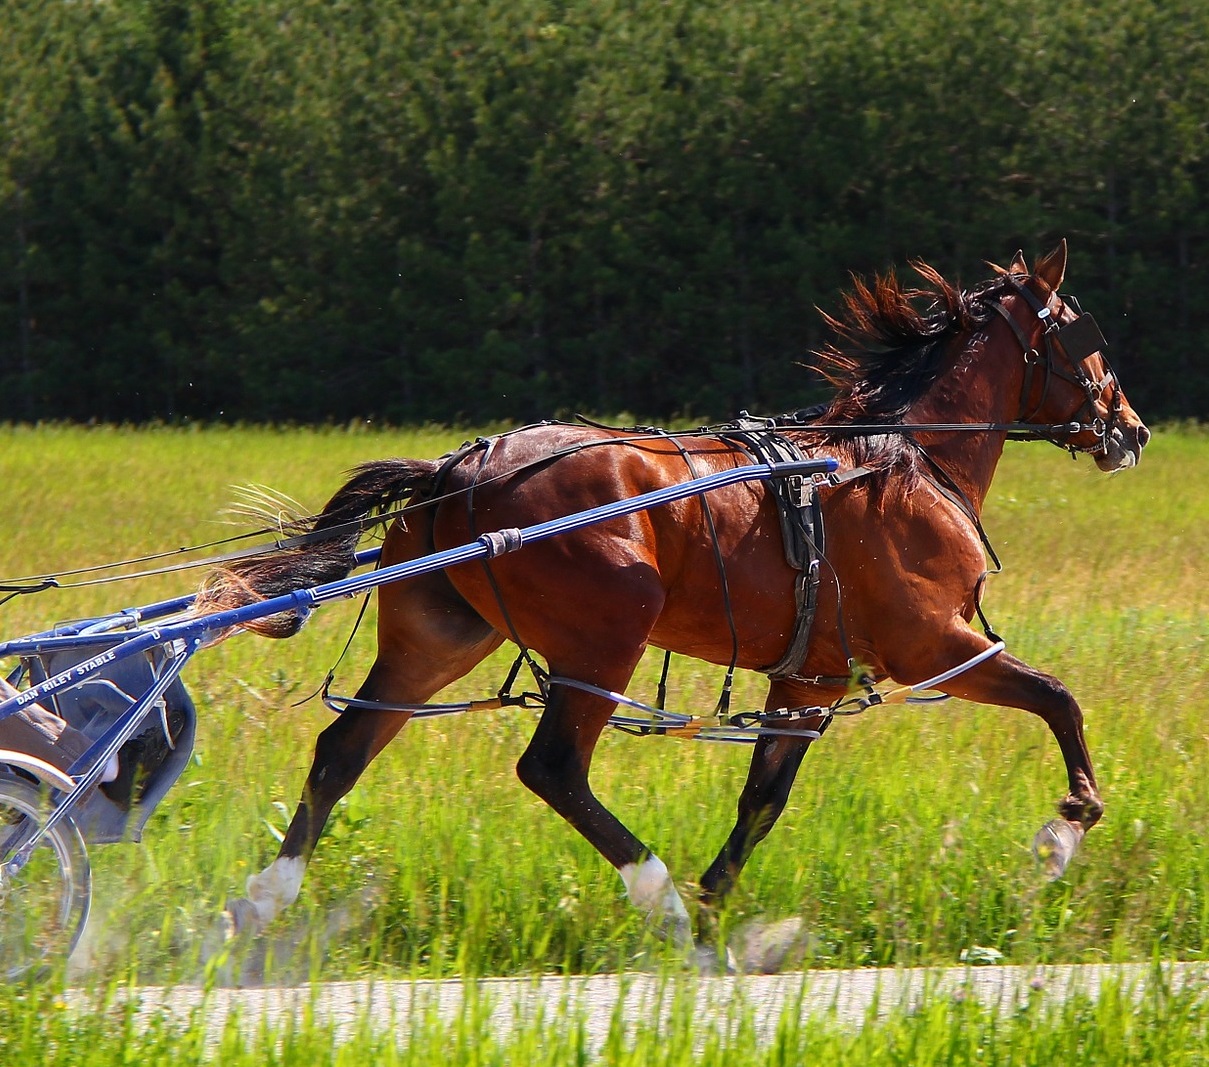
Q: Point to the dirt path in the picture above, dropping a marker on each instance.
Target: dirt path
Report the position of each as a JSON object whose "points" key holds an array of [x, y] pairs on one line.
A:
{"points": [[847, 998]]}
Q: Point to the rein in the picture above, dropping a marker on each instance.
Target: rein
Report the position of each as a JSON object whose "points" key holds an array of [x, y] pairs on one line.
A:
{"points": [[1017, 431], [1077, 341], [38, 583]]}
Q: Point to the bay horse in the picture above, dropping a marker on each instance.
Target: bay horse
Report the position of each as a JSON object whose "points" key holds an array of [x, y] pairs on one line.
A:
{"points": [[900, 586]]}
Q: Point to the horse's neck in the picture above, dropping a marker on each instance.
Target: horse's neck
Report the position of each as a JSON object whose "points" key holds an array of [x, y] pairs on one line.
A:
{"points": [[966, 395], [969, 459]]}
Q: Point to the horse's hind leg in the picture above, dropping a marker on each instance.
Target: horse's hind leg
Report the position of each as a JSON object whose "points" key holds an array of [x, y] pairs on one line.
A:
{"points": [[555, 766], [428, 637]]}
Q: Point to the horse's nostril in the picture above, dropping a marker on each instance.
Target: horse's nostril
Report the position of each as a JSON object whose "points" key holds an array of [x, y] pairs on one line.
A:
{"points": [[1143, 437]]}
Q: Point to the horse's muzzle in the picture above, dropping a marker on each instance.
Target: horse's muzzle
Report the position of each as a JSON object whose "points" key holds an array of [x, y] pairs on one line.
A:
{"points": [[1123, 447]]}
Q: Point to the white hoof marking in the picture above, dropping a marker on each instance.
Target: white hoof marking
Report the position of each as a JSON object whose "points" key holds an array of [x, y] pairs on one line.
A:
{"points": [[275, 888], [649, 887], [1055, 846]]}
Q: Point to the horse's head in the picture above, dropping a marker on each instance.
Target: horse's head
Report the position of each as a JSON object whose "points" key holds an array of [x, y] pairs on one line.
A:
{"points": [[1067, 377]]}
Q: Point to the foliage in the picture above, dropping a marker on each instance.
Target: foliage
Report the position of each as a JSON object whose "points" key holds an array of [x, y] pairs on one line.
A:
{"points": [[310, 211]]}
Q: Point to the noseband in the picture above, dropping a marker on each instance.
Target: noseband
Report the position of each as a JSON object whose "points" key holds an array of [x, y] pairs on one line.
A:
{"points": [[1077, 342]]}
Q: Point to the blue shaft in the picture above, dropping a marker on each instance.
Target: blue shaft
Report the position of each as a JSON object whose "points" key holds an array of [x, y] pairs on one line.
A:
{"points": [[196, 631]]}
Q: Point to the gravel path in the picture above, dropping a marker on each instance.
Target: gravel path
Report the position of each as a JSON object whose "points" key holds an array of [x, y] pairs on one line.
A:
{"points": [[848, 998]]}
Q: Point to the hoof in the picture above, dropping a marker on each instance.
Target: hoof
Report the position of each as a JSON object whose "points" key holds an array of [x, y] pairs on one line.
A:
{"points": [[241, 919], [712, 961], [1055, 846], [675, 930], [774, 947]]}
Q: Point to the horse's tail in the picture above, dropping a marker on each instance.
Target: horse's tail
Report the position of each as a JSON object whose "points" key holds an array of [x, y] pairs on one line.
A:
{"points": [[373, 487]]}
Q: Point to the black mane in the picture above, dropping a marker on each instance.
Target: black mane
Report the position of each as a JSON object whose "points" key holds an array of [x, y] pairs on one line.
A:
{"points": [[887, 352]]}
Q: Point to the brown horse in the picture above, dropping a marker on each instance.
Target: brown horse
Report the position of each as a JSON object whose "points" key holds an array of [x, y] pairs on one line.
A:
{"points": [[900, 581]]}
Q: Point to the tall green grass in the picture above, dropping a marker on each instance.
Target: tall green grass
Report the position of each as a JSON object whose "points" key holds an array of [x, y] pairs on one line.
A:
{"points": [[1125, 1025], [907, 837]]}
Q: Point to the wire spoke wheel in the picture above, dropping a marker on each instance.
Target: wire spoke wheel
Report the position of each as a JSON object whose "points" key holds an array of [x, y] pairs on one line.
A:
{"points": [[44, 902]]}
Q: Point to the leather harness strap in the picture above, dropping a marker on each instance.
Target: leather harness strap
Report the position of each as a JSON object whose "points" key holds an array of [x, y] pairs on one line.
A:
{"points": [[800, 512]]}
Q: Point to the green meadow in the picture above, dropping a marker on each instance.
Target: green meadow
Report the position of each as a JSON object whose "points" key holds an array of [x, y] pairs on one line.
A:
{"points": [[906, 841]]}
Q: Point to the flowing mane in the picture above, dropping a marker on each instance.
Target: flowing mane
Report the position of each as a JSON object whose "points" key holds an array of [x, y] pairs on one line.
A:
{"points": [[887, 352]]}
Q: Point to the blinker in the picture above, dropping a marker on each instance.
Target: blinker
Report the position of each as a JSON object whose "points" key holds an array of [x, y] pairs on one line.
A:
{"points": [[1081, 338]]}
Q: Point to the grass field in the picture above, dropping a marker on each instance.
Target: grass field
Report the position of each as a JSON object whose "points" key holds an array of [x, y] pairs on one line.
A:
{"points": [[906, 840]]}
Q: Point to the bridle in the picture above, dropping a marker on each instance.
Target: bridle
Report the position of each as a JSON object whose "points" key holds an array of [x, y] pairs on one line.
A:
{"points": [[1074, 343]]}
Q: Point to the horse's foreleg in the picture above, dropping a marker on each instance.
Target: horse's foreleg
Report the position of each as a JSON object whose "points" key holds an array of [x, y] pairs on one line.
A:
{"points": [[555, 766], [774, 766], [1006, 681]]}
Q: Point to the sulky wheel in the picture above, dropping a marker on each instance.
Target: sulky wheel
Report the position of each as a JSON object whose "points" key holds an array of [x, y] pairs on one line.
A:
{"points": [[43, 902]]}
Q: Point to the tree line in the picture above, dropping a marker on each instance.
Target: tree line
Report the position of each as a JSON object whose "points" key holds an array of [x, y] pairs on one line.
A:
{"points": [[474, 210]]}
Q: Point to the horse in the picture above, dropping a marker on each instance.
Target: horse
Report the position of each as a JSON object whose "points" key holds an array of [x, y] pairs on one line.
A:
{"points": [[929, 384]]}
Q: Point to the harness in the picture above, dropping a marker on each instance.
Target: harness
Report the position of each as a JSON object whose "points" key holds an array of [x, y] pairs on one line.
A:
{"points": [[801, 520], [800, 513], [800, 516], [1066, 350]]}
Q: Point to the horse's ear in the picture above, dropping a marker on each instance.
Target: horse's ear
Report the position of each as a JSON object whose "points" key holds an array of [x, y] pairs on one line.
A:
{"points": [[1018, 265], [1051, 269]]}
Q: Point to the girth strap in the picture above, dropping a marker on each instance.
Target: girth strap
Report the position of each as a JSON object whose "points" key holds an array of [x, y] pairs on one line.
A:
{"points": [[801, 518]]}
